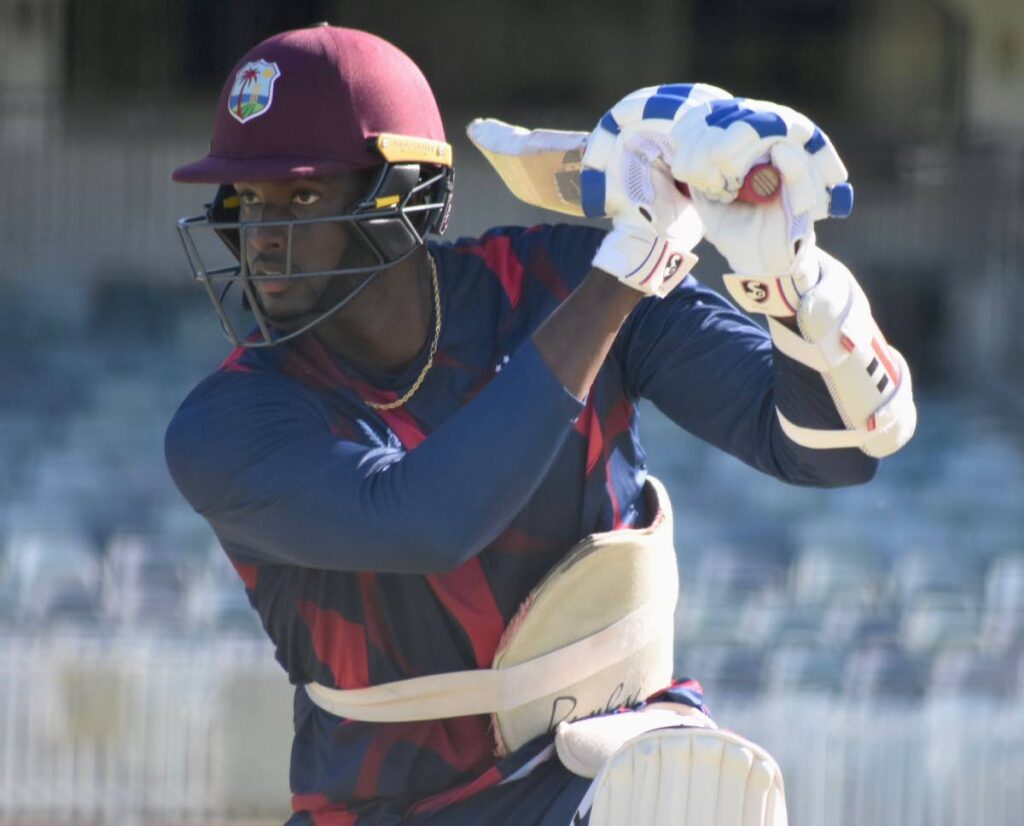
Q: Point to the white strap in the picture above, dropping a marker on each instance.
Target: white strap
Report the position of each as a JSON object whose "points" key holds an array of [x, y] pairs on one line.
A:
{"points": [[821, 439], [488, 690], [796, 347]]}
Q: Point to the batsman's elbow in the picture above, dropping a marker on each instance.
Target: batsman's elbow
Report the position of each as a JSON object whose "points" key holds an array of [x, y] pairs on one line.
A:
{"points": [[836, 468], [856, 469]]}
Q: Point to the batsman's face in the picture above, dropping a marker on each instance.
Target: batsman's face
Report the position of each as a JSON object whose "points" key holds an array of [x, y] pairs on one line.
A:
{"points": [[324, 245]]}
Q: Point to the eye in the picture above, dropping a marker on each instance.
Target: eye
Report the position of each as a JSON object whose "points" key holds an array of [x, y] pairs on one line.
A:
{"points": [[305, 197], [246, 198]]}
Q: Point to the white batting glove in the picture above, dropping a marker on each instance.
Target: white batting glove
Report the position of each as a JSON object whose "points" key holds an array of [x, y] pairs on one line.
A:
{"points": [[626, 176], [717, 144]]}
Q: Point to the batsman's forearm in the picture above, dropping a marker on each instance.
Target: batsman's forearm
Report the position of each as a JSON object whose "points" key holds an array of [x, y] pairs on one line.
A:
{"points": [[576, 338]]}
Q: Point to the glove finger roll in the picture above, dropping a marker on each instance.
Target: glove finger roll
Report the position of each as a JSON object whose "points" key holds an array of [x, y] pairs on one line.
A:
{"points": [[672, 212], [802, 184], [694, 144], [829, 165], [630, 109], [663, 102], [600, 144]]}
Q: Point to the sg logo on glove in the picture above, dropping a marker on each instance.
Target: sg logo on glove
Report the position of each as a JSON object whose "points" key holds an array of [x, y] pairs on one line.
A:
{"points": [[672, 266], [756, 290]]}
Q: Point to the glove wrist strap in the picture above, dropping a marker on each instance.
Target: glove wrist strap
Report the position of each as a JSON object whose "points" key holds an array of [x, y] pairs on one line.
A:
{"points": [[643, 260], [773, 297], [777, 296]]}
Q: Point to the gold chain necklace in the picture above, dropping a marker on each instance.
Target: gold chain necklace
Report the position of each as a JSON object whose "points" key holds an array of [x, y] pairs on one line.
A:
{"points": [[433, 347]]}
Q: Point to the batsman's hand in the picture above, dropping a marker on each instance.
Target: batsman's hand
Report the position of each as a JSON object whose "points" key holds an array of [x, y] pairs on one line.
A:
{"points": [[717, 145], [626, 175]]}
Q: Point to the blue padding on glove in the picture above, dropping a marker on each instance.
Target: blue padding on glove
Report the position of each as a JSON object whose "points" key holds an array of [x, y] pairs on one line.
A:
{"points": [[721, 109], [609, 124], [766, 124], [840, 203], [592, 192], [679, 90], [816, 143], [662, 106]]}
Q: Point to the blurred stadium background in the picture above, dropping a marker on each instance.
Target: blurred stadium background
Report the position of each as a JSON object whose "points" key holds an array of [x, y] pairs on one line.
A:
{"points": [[872, 638]]}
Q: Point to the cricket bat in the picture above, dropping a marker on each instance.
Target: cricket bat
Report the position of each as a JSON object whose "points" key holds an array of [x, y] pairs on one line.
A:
{"points": [[542, 166]]}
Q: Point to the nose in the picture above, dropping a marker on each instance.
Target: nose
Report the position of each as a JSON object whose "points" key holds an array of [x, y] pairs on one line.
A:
{"points": [[266, 239]]}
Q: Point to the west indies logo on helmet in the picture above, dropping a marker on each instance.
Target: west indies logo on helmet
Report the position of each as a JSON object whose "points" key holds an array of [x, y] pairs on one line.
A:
{"points": [[253, 90], [315, 103]]}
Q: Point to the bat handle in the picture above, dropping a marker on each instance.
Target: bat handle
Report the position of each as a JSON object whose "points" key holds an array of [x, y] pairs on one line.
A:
{"points": [[762, 184]]}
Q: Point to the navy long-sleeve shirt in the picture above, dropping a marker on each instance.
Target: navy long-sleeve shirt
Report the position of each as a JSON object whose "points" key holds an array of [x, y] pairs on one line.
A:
{"points": [[378, 545]]}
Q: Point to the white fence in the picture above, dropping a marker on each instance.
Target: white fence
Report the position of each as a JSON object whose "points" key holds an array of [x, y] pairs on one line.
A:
{"points": [[115, 732], [950, 763], [132, 730]]}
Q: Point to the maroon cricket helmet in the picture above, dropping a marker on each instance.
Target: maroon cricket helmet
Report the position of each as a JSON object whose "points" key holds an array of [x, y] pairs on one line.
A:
{"points": [[310, 102], [314, 103]]}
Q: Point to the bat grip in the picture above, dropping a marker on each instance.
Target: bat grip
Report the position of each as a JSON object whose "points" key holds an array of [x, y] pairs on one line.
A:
{"points": [[762, 184]]}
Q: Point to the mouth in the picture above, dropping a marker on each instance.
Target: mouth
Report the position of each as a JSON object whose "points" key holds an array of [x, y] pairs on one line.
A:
{"points": [[273, 286], [269, 285]]}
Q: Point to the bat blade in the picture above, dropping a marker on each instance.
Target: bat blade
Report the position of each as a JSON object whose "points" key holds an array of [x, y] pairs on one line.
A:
{"points": [[539, 166]]}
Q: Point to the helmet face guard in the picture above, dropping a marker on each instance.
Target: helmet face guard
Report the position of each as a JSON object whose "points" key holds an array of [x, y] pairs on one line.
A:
{"points": [[409, 198]]}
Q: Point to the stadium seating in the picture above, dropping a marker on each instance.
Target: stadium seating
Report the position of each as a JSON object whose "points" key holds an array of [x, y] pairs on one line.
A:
{"points": [[972, 675], [932, 620], [1004, 582], [704, 618], [884, 674], [725, 571], [1002, 632], [56, 575], [850, 623], [930, 571], [798, 669], [778, 619], [726, 670], [215, 598], [828, 571], [144, 581]]}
